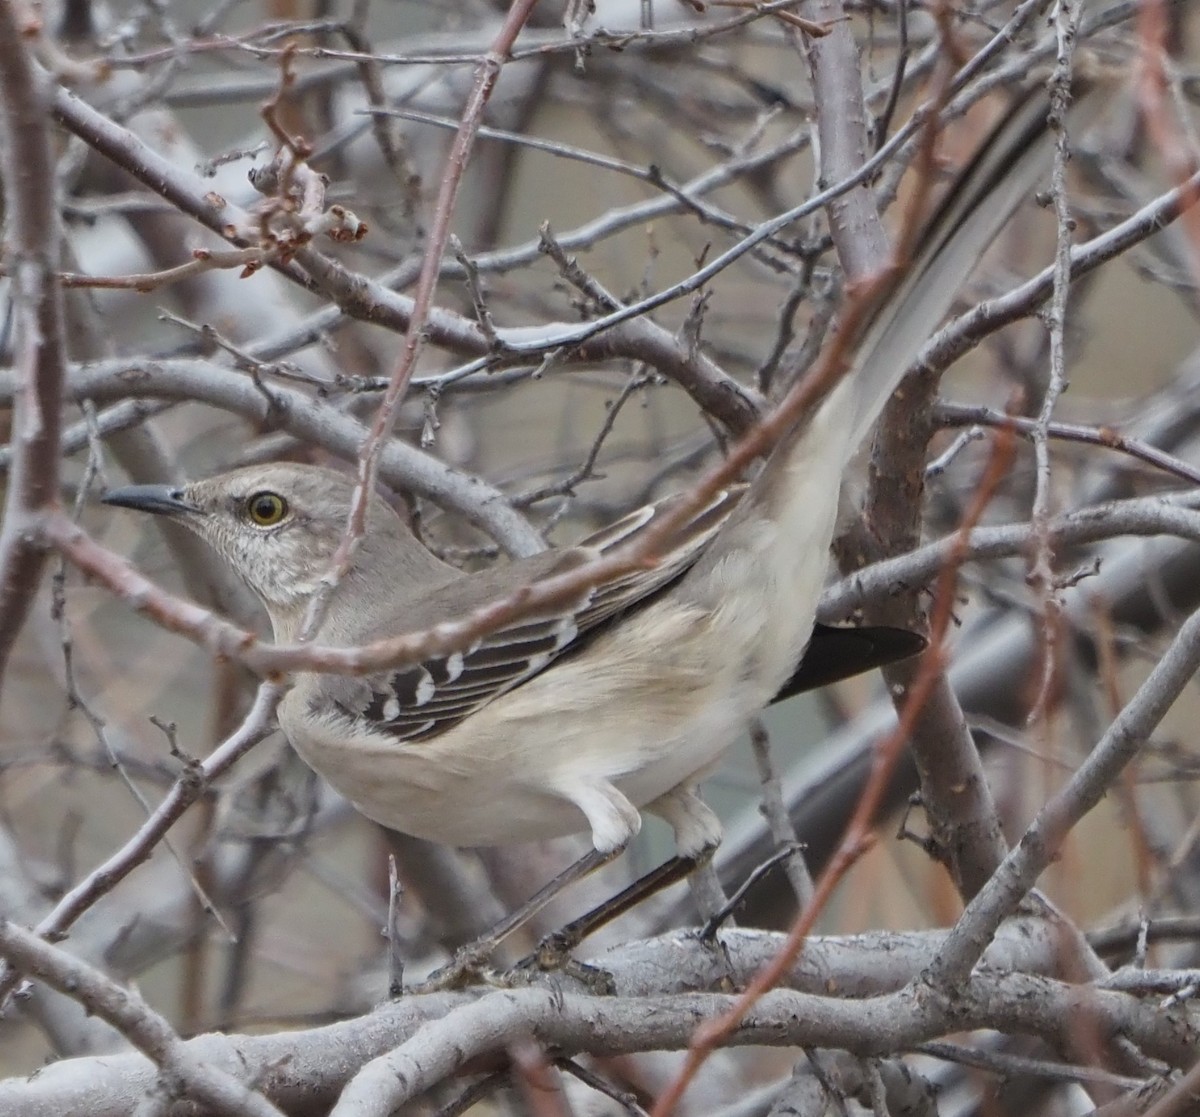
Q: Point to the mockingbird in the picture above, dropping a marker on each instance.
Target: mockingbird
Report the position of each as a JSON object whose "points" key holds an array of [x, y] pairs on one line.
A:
{"points": [[581, 718]]}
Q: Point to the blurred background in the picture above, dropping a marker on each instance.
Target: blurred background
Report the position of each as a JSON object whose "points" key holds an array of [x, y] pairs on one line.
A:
{"points": [[648, 137]]}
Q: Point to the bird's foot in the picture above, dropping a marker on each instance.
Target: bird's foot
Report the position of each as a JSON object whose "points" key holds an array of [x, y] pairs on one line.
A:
{"points": [[553, 954], [469, 966], [554, 951], [595, 979]]}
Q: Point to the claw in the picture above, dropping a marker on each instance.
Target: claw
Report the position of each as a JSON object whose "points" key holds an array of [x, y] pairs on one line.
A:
{"points": [[469, 966], [553, 954]]}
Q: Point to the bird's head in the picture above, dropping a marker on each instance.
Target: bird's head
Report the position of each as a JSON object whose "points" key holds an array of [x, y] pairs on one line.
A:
{"points": [[277, 525]]}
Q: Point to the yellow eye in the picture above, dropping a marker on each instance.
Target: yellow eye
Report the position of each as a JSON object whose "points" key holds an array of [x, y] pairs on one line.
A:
{"points": [[266, 509]]}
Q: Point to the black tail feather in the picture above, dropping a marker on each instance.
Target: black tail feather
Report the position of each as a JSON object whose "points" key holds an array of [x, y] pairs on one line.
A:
{"points": [[834, 654]]}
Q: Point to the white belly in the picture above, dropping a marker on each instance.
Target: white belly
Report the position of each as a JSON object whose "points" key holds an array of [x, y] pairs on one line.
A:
{"points": [[660, 712], [648, 706], [501, 776]]}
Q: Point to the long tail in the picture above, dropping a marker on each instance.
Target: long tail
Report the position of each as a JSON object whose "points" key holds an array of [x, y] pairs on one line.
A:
{"points": [[1008, 167], [775, 547]]}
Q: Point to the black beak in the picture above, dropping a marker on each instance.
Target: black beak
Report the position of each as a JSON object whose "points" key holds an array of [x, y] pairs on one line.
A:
{"points": [[163, 500]]}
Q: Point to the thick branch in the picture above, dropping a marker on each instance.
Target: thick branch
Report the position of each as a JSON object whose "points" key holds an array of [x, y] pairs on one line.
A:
{"points": [[27, 170], [655, 1006]]}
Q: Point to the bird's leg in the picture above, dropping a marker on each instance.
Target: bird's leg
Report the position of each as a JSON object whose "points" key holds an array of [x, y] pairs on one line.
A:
{"points": [[697, 835], [614, 821], [555, 949], [469, 960]]}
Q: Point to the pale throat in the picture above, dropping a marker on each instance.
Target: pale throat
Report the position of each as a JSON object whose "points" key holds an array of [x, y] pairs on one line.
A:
{"points": [[285, 584]]}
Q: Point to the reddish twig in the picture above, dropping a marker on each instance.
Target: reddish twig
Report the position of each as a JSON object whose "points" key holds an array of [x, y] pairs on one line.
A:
{"points": [[1152, 28], [486, 74]]}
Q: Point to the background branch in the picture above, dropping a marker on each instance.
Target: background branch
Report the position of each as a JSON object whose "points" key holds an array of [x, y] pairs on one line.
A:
{"points": [[721, 181]]}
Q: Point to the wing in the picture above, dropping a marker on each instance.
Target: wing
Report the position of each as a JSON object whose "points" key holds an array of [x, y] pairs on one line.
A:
{"points": [[430, 697]]}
